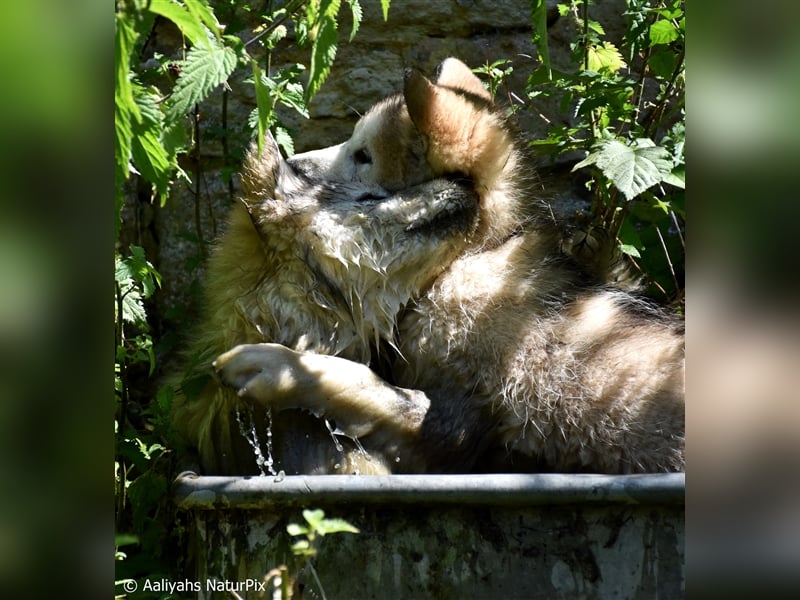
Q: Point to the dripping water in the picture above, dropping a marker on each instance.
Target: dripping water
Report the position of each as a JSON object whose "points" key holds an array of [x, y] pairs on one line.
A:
{"points": [[335, 433], [361, 449], [270, 458], [251, 435], [252, 438]]}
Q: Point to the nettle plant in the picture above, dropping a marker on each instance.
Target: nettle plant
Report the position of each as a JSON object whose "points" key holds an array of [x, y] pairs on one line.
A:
{"points": [[156, 123], [627, 109]]}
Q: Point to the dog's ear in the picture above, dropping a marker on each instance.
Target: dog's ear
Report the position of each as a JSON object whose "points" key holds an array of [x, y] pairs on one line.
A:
{"points": [[453, 73], [443, 117], [422, 100], [261, 170], [463, 136]]}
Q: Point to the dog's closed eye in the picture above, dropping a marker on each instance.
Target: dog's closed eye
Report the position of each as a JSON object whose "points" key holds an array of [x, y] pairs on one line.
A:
{"points": [[362, 157]]}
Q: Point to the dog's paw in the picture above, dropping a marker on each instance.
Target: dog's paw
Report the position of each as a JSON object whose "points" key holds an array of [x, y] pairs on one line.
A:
{"points": [[270, 374]]}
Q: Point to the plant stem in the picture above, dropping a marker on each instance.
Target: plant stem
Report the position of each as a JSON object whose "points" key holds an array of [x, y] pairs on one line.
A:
{"points": [[197, 175], [290, 11]]}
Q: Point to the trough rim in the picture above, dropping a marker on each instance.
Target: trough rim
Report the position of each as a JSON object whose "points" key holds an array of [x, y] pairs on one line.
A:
{"points": [[197, 492]]}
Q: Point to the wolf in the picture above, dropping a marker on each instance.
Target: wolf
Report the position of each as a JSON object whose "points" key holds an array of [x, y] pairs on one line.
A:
{"points": [[320, 268], [460, 337]]}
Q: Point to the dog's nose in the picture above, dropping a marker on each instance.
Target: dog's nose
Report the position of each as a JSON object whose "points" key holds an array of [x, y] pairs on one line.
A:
{"points": [[317, 164], [305, 167]]}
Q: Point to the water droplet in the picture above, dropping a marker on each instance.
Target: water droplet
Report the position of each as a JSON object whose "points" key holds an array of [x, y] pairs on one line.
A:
{"points": [[270, 458], [333, 436], [252, 438], [361, 449]]}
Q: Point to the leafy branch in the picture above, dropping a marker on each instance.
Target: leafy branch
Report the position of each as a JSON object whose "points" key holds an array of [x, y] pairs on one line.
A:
{"points": [[156, 122], [632, 139]]}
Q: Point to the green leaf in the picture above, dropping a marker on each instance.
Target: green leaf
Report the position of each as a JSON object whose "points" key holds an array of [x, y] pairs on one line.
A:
{"points": [[632, 169], [265, 108], [662, 32], [327, 526], [314, 517], [322, 526], [204, 69], [132, 307], [190, 24], [302, 548], [355, 9], [125, 539], [629, 240], [151, 159], [539, 18], [630, 250], [385, 8], [295, 529], [147, 150], [284, 140], [125, 109], [323, 53], [202, 12], [596, 27], [677, 177], [604, 58], [662, 62]]}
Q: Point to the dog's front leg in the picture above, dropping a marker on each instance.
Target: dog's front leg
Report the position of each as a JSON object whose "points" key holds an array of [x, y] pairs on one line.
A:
{"points": [[344, 391]]}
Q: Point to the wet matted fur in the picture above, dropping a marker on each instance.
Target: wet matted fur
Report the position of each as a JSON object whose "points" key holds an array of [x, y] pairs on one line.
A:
{"points": [[408, 289]]}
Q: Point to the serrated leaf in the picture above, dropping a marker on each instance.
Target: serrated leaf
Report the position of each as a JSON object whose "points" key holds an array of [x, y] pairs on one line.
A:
{"points": [[632, 169], [323, 54], [176, 139], [201, 11], [604, 58], [276, 36], [147, 151], [136, 269], [662, 32], [355, 9], [265, 108], [151, 159], [284, 140], [677, 177], [292, 96], [125, 109], [596, 27], [132, 307], [189, 24], [204, 69], [539, 21], [147, 102]]}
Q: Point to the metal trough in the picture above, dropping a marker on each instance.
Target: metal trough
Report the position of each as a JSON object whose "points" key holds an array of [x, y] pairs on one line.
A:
{"points": [[444, 536]]}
